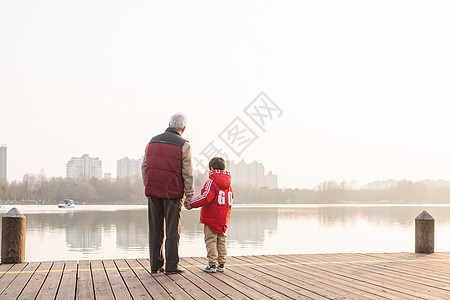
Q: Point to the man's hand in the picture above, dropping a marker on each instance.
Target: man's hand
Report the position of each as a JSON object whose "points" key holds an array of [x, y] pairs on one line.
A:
{"points": [[187, 202], [187, 205]]}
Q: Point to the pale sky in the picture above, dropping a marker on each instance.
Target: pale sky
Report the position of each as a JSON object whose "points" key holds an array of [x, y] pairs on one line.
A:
{"points": [[363, 85]]}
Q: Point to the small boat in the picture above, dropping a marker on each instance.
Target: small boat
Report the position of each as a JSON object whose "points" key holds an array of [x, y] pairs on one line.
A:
{"points": [[66, 203]]}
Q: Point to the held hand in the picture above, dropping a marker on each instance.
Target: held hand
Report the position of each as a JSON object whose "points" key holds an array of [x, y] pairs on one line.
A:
{"points": [[188, 198], [187, 205], [187, 202]]}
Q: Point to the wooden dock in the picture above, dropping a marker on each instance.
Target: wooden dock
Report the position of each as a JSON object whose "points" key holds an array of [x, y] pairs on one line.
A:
{"points": [[315, 276]]}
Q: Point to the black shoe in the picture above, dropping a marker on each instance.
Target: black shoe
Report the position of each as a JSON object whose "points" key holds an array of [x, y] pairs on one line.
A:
{"points": [[210, 268], [160, 270], [177, 271]]}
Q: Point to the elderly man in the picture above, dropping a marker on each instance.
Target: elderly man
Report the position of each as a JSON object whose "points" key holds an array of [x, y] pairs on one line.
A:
{"points": [[168, 176]]}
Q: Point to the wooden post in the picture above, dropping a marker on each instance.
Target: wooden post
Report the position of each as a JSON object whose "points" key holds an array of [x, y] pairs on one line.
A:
{"points": [[13, 237], [424, 233]]}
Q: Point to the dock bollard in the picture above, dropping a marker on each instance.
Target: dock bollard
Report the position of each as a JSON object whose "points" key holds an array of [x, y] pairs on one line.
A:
{"points": [[424, 233], [13, 237]]}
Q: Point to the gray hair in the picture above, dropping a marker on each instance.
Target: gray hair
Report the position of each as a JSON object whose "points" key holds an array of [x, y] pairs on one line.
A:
{"points": [[178, 121]]}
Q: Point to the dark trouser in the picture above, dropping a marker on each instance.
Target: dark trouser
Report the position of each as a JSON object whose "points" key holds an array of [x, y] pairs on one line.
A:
{"points": [[158, 211]]}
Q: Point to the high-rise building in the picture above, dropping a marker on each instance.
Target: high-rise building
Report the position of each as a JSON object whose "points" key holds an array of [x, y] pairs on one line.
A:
{"points": [[251, 175], [244, 174], [3, 161], [271, 180], [84, 168], [34, 181], [128, 167]]}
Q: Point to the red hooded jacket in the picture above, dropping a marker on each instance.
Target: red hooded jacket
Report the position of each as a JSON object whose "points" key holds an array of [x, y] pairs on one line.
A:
{"points": [[216, 200]]}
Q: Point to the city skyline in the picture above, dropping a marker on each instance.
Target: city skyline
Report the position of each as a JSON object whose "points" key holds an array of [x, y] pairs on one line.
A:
{"points": [[127, 167], [251, 174], [358, 89], [3, 163], [85, 166]]}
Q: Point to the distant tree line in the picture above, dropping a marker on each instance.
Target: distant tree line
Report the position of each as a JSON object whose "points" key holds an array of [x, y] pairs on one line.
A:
{"points": [[334, 193], [131, 191], [94, 191]]}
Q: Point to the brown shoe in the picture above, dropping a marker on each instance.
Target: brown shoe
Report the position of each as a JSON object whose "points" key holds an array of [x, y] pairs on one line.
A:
{"points": [[177, 271], [160, 270]]}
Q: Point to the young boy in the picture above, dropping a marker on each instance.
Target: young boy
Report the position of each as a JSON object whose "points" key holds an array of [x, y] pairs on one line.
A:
{"points": [[216, 200]]}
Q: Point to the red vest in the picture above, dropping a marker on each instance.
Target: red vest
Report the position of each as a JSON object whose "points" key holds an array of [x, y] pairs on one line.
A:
{"points": [[164, 161]]}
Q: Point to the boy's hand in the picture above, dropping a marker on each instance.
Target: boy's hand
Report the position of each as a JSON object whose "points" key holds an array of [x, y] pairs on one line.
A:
{"points": [[187, 202], [187, 205]]}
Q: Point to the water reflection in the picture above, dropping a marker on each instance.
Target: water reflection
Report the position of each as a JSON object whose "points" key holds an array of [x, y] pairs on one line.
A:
{"points": [[97, 233], [252, 225], [376, 215], [246, 225]]}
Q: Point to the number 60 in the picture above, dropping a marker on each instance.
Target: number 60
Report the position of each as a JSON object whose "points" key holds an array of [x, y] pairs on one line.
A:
{"points": [[221, 198]]}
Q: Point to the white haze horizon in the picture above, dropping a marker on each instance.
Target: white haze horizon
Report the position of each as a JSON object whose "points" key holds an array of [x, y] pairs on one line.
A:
{"points": [[363, 86]]}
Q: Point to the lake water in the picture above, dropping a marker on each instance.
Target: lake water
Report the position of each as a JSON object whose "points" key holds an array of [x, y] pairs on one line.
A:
{"points": [[101, 232]]}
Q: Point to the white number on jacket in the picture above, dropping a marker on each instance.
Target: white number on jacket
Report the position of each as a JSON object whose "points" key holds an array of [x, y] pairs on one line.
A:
{"points": [[221, 198], [230, 198]]}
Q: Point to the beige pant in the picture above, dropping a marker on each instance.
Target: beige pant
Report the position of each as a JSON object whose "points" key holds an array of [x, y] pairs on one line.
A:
{"points": [[216, 246]]}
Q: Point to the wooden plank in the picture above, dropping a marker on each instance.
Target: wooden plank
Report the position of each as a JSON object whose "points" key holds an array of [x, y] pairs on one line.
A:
{"points": [[205, 286], [248, 288], [429, 287], [118, 286], [102, 288], [316, 284], [440, 254], [312, 284], [415, 274], [348, 275], [262, 286], [392, 258], [431, 267], [415, 268], [349, 286], [37, 279], [436, 262], [433, 258], [171, 288], [16, 286], [317, 276], [134, 285], [331, 265], [150, 283], [286, 289], [419, 286], [180, 280], [225, 287], [190, 287], [85, 286], [4, 268], [398, 255], [12, 273], [67, 287], [363, 273], [51, 283]]}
